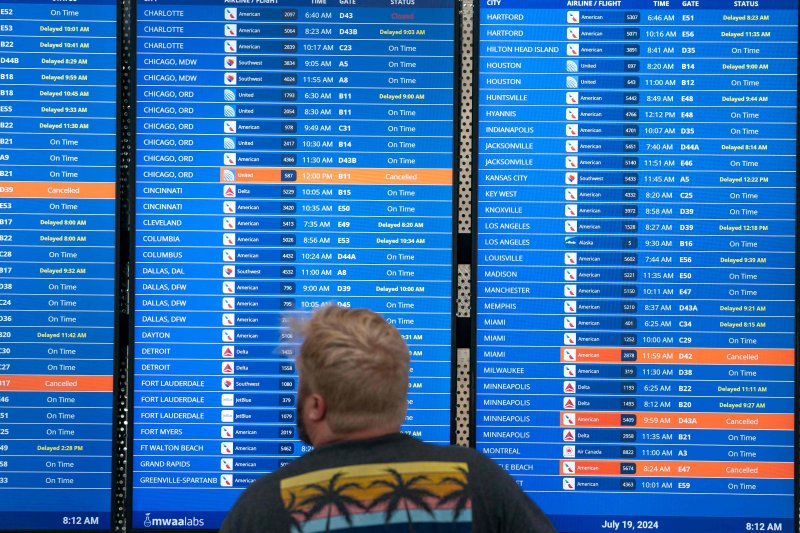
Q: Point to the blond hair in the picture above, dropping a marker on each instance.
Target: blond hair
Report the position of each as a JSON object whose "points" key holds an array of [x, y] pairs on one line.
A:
{"points": [[356, 361]]}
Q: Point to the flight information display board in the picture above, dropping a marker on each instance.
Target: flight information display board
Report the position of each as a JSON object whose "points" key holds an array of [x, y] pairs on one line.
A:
{"points": [[289, 154], [636, 190], [58, 71]]}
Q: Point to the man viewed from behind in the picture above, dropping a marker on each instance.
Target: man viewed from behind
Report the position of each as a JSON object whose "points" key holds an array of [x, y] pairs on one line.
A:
{"points": [[364, 473]]}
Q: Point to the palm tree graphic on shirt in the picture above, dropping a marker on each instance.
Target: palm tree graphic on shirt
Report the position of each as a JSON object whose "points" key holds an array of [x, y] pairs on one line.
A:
{"points": [[293, 509], [331, 496], [402, 490], [399, 496], [462, 495]]}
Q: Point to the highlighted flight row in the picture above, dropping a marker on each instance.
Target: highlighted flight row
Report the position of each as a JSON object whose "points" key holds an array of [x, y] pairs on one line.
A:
{"points": [[706, 356], [52, 189], [57, 383], [679, 468], [678, 420], [357, 176]]}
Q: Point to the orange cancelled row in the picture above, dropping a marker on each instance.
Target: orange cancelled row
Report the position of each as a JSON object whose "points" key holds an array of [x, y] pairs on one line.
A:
{"points": [[680, 469], [705, 356], [47, 189], [329, 176], [57, 383], [742, 421]]}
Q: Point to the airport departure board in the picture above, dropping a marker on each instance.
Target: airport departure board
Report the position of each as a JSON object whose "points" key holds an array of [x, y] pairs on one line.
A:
{"points": [[289, 154], [58, 72], [636, 187]]}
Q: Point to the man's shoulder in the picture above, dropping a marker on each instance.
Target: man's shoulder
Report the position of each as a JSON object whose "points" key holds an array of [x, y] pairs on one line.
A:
{"points": [[363, 477], [446, 452], [269, 484], [451, 484], [386, 452], [395, 448], [452, 453], [402, 447]]}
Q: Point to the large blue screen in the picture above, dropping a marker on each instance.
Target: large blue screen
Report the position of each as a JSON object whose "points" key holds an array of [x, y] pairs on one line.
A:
{"points": [[58, 155], [289, 154], [636, 187]]}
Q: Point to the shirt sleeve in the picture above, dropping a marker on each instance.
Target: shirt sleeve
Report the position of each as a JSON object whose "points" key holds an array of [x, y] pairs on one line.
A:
{"points": [[237, 519], [258, 510], [509, 509]]}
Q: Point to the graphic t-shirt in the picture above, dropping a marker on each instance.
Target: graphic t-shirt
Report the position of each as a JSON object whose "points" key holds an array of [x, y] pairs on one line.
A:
{"points": [[390, 484]]}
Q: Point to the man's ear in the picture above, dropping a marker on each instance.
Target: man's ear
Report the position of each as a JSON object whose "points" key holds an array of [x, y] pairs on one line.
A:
{"points": [[316, 408]]}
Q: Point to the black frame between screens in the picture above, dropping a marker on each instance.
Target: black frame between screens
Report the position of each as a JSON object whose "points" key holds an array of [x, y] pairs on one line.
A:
{"points": [[474, 264], [129, 268]]}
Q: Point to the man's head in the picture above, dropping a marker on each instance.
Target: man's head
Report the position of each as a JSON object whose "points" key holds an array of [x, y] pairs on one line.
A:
{"points": [[353, 368]]}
